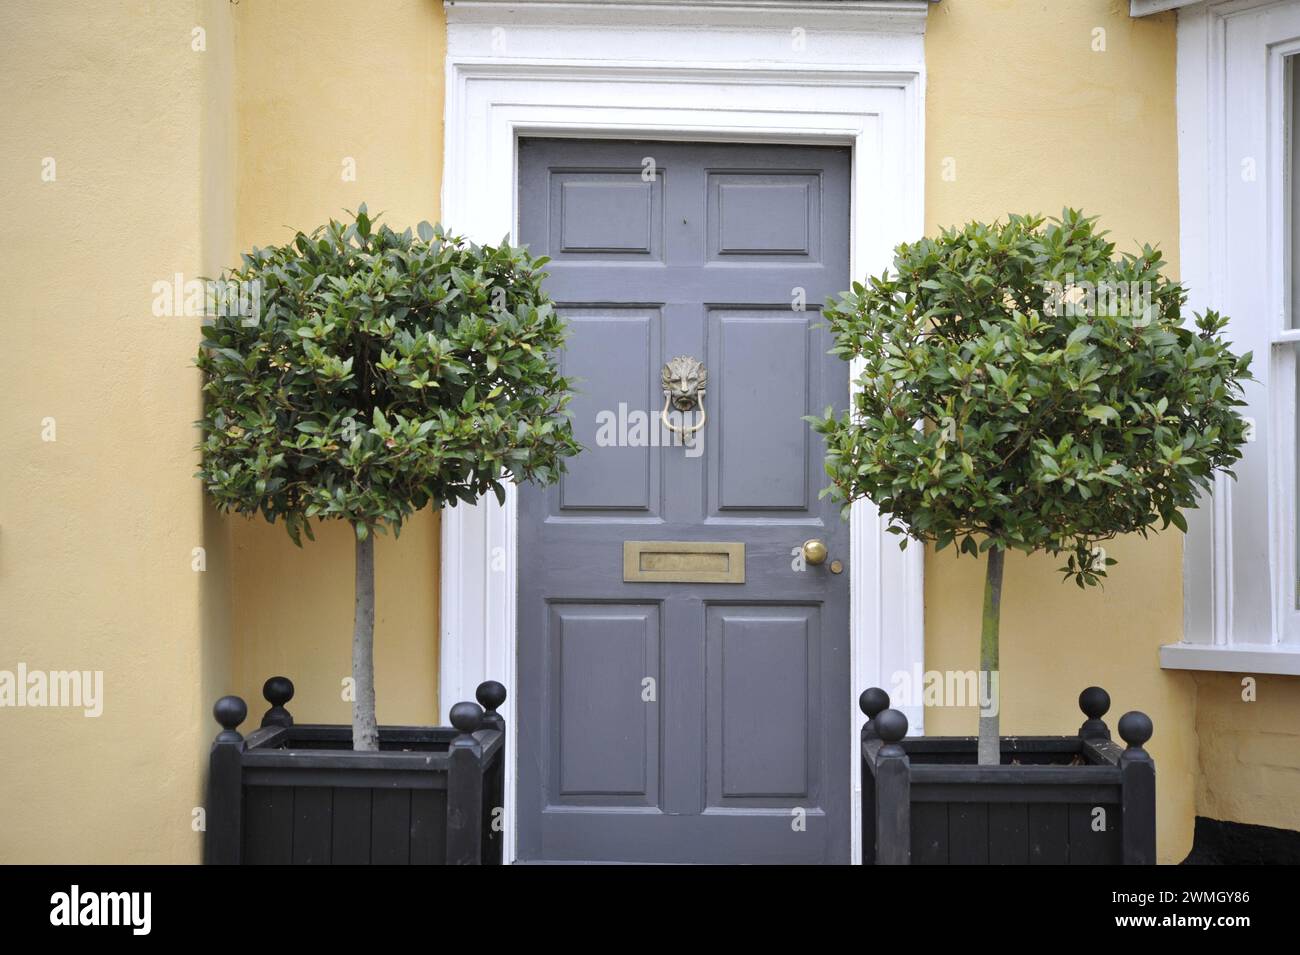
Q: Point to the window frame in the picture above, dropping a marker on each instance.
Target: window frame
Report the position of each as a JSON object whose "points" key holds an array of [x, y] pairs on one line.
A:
{"points": [[1240, 560]]}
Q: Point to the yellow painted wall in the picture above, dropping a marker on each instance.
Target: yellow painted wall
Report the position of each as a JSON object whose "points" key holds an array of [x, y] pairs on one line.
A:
{"points": [[1249, 750], [1023, 116], [98, 526], [321, 86]]}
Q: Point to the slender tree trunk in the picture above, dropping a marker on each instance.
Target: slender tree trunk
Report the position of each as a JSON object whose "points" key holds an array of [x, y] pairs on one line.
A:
{"points": [[990, 753], [365, 732]]}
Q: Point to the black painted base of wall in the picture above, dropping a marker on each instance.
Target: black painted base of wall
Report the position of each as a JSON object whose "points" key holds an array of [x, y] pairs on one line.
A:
{"points": [[1237, 843]]}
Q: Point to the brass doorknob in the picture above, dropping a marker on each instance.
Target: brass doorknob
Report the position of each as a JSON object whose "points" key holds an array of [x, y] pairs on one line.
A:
{"points": [[814, 551]]}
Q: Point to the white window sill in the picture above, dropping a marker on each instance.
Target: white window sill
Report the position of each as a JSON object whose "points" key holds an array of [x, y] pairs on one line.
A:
{"points": [[1238, 658]]}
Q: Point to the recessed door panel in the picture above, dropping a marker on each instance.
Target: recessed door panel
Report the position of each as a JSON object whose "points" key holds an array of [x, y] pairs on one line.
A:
{"points": [[758, 214], [605, 214], [763, 386], [609, 354], [764, 705], [605, 749]]}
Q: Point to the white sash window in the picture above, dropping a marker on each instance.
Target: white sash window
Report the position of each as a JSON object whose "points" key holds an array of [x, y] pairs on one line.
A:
{"points": [[1240, 252]]}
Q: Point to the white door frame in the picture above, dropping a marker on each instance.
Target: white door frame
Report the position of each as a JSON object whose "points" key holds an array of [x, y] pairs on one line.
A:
{"points": [[781, 71]]}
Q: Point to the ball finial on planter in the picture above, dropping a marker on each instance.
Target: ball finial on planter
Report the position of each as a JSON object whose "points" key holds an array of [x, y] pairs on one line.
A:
{"points": [[490, 695], [1135, 728], [872, 701], [891, 727], [1095, 703], [467, 717], [229, 711], [277, 691]]}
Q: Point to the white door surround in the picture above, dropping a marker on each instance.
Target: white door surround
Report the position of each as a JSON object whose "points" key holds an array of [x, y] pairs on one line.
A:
{"points": [[836, 73]]}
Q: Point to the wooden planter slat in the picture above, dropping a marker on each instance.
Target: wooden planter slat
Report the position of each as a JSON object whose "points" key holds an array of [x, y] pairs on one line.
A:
{"points": [[342, 778], [1102, 751], [1100, 795], [926, 801], [958, 774], [1008, 833], [295, 794], [293, 758], [350, 827], [313, 828]]}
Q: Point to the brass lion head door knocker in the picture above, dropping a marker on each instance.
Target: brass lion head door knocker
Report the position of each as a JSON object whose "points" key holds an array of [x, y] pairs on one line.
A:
{"points": [[684, 379]]}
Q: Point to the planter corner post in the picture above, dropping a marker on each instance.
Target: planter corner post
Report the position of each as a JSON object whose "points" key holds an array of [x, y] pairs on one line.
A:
{"points": [[893, 791], [223, 834], [465, 787], [1138, 788], [491, 695]]}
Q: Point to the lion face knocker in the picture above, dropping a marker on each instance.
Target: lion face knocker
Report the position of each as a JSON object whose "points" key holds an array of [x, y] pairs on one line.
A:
{"points": [[684, 379]]}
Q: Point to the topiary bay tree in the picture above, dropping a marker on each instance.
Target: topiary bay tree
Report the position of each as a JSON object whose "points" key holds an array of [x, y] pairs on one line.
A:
{"points": [[1024, 388], [386, 372]]}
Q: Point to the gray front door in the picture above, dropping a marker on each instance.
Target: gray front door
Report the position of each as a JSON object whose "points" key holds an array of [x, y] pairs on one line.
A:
{"points": [[667, 711]]}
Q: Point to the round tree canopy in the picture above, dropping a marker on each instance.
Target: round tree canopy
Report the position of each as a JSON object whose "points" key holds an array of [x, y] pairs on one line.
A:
{"points": [[1023, 387], [374, 372]]}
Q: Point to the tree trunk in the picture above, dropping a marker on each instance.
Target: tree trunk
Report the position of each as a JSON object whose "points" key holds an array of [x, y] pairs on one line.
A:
{"points": [[990, 753], [365, 732]]}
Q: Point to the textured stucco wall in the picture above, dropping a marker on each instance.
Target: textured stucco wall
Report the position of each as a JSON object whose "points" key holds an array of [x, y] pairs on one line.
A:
{"points": [[325, 88], [1249, 749], [1022, 115], [97, 527]]}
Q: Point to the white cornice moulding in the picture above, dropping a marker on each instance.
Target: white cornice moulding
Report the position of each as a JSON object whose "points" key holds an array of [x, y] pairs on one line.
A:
{"points": [[891, 16], [859, 37]]}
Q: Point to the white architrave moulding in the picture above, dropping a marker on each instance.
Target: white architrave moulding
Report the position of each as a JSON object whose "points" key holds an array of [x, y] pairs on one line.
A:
{"points": [[842, 73]]}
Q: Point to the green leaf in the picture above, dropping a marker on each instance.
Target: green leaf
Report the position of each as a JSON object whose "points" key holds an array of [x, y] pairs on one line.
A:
{"points": [[1078, 335]]}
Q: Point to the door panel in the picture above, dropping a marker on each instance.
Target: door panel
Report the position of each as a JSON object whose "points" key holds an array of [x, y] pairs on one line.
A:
{"points": [[686, 721], [607, 352], [763, 689], [606, 748], [764, 388], [765, 214], [606, 214]]}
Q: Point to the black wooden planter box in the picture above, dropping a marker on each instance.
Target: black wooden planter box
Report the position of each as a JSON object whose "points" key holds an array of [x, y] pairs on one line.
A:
{"points": [[297, 793], [926, 801]]}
